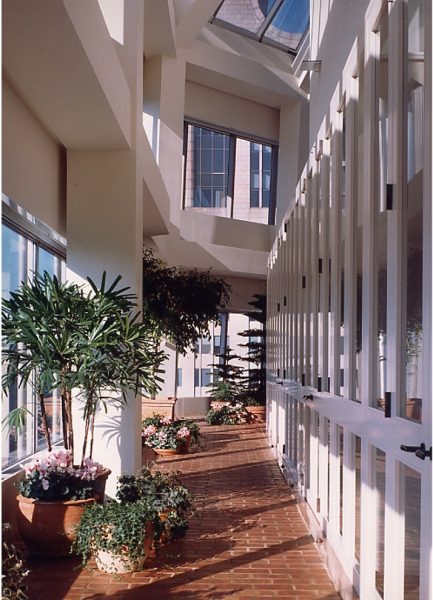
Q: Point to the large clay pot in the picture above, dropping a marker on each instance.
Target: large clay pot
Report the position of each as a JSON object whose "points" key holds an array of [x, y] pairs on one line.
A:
{"points": [[48, 528]]}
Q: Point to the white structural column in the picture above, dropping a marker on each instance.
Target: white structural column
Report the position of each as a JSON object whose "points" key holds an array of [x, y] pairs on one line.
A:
{"points": [[105, 233]]}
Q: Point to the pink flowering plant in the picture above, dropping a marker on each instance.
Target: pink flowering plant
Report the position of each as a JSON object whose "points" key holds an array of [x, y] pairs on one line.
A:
{"points": [[54, 477], [166, 433]]}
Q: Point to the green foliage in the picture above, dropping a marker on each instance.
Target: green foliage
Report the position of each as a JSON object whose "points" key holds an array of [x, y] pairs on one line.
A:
{"points": [[172, 500], [181, 303], [60, 337], [227, 378], [114, 526], [14, 571], [62, 487], [255, 381], [155, 497]]}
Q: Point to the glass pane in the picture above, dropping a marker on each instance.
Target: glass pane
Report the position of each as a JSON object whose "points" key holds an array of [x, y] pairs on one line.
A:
{"points": [[290, 22], [412, 525], [340, 439], [381, 220], [245, 14], [357, 498], [358, 229], [250, 203], [414, 218], [47, 262], [379, 471], [328, 467], [14, 271], [342, 249], [207, 171]]}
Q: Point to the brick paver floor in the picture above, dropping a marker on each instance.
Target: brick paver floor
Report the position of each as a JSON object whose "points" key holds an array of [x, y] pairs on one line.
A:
{"points": [[250, 541]]}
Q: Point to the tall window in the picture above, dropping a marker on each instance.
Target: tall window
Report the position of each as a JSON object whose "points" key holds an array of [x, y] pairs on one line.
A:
{"points": [[211, 168], [21, 258], [229, 176]]}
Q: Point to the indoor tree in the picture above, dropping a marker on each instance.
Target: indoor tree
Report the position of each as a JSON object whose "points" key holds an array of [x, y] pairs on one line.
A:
{"points": [[227, 378], [255, 380], [61, 336], [180, 304]]}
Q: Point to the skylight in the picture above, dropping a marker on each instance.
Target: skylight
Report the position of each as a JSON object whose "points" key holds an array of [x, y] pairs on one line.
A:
{"points": [[279, 23]]}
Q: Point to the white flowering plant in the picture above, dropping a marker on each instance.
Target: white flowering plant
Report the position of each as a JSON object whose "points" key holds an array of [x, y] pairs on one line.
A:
{"points": [[165, 433], [227, 414], [54, 477]]}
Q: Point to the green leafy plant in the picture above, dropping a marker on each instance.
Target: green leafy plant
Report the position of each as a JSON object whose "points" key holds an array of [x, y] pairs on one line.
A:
{"points": [[255, 379], [227, 378], [181, 304], [170, 498], [117, 527], [58, 336], [14, 570]]}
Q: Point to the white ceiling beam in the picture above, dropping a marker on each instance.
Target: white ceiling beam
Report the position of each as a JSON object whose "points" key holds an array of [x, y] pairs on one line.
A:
{"points": [[159, 28], [191, 17], [56, 53]]}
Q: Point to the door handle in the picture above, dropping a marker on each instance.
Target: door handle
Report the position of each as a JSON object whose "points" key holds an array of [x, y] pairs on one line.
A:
{"points": [[420, 451]]}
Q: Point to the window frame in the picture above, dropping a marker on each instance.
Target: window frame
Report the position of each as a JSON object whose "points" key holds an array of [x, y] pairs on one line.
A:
{"points": [[234, 135], [37, 236]]}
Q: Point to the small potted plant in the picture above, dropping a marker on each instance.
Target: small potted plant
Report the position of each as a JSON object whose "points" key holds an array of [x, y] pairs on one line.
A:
{"points": [[14, 570], [171, 499], [167, 437], [119, 535], [227, 414]]}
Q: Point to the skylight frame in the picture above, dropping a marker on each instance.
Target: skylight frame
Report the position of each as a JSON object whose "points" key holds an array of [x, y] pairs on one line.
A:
{"points": [[261, 33]]}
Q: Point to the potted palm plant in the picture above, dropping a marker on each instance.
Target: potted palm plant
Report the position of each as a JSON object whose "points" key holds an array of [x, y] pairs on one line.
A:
{"points": [[61, 337]]}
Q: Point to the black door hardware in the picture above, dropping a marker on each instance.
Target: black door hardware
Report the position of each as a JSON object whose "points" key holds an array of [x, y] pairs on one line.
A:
{"points": [[420, 451], [308, 397]]}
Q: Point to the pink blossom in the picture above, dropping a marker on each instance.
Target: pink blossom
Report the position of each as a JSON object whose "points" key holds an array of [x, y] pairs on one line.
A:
{"points": [[183, 432], [149, 430], [45, 484], [165, 421]]}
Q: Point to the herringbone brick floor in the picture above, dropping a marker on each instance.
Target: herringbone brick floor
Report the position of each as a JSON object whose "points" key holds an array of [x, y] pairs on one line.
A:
{"points": [[250, 541]]}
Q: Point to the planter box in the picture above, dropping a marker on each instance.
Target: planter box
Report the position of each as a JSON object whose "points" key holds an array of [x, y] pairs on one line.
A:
{"points": [[159, 406]]}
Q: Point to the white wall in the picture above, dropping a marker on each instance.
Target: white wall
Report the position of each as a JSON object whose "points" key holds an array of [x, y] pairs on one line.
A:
{"points": [[335, 25], [231, 112], [33, 163]]}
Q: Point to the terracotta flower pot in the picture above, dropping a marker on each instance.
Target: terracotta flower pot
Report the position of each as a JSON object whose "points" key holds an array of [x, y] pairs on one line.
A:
{"points": [[184, 445], [48, 528], [167, 451]]}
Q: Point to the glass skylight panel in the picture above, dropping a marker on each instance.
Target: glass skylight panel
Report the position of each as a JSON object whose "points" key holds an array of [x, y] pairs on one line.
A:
{"points": [[246, 14], [280, 23], [289, 24]]}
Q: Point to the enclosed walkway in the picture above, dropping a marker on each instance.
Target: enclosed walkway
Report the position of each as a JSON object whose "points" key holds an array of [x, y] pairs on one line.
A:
{"points": [[249, 542]]}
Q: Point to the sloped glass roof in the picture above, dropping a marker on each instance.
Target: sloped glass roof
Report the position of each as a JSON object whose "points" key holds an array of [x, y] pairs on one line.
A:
{"points": [[279, 23]]}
